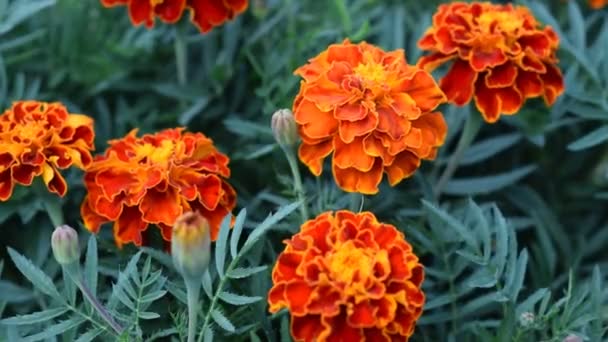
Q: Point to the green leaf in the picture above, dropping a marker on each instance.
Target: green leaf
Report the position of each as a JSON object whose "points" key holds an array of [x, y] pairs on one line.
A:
{"points": [[591, 139], [488, 148], [458, 227], [90, 265], [151, 297], [222, 321], [36, 317], [236, 232], [89, 335], [55, 329], [20, 11], [486, 184], [208, 335], [11, 293], [207, 284], [528, 303], [577, 26], [235, 299], [270, 221], [239, 272], [220, 245], [148, 315], [38, 278]]}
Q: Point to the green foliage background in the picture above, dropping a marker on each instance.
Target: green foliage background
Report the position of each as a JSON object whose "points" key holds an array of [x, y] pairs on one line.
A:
{"points": [[522, 228]]}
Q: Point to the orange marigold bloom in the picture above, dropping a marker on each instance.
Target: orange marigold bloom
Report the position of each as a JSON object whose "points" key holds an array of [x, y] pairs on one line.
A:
{"points": [[347, 277], [502, 57], [597, 4], [38, 139], [205, 14], [372, 110], [153, 180]]}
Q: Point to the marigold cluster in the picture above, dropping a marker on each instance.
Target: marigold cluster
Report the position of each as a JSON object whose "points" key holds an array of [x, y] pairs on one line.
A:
{"points": [[501, 56], [597, 4], [38, 139], [347, 277], [372, 110], [205, 14], [153, 180]]}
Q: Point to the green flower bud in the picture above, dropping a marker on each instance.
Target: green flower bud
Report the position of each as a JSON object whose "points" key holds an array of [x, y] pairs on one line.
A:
{"points": [[284, 127], [191, 245], [64, 242]]}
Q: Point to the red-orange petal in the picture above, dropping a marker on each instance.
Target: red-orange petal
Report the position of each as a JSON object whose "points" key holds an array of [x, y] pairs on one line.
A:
{"points": [[459, 83]]}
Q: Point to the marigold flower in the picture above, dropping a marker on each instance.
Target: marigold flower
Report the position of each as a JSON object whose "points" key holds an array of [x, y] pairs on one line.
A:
{"points": [[205, 14], [153, 180], [597, 4], [347, 277], [370, 109], [502, 56], [38, 139]]}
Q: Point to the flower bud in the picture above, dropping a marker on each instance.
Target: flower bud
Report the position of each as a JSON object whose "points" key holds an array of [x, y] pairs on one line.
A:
{"points": [[64, 242], [526, 319], [573, 338], [284, 127], [191, 245]]}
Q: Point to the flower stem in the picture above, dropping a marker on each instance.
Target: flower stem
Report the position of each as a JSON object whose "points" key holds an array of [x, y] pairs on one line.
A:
{"points": [[471, 127], [73, 270], [193, 288], [297, 182], [181, 56]]}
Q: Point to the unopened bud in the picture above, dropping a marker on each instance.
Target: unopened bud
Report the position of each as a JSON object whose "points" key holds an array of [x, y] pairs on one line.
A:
{"points": [[573, 338], [284, 127], [191, 245], [64, 242]]}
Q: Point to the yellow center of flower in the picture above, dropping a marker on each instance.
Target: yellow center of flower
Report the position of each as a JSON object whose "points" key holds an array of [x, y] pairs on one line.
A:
{"points": [[349, 261], [156, 154], [507, 22]]}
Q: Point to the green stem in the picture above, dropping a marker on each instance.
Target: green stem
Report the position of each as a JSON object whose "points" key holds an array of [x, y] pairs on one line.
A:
{"points": [[193, 288], [73, 270], [471, 127], [297, 182], [181, 54]]}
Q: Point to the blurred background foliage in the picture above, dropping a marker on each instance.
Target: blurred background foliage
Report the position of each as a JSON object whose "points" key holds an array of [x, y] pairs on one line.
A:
{"points": [[545, 168]]}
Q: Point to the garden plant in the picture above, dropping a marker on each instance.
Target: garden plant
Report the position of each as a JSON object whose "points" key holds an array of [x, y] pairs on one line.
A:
{"points": [[303, 170]]}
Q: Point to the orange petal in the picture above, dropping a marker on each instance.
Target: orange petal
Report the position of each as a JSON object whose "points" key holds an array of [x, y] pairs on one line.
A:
{"points": [[458, 83], [392, 123], [406, 106], [161, 206], [352, 155], [298, 294], [306, 328], [353, 180], [529, 84], [313, 155], [481, 60], [170, 11], [92, 221], [501, 76], [373, 147], [315, 123], [140, 11], [493, 102], [209, 190], [286, 266], [554, 84], [404, 166], [6, 185], [362, 315], [326, 94], [341, 331], [129, 226], [432, 61], [350, 112], [349, 53], [424, 91], [350, 130]]}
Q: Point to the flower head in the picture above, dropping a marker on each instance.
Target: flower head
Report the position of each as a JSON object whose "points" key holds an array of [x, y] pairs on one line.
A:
{"points": [[597, 4], [205, 14], [153, 180], [191, 245], [347, 277], [370, 109], [38, 139], [64, 242], [501, 56]]}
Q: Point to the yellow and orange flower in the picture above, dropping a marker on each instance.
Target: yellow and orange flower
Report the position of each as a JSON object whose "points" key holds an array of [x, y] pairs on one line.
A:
{"points": [[153, 180], [38, 139], [597, 4], [205, 14], [372, 110], [502, 56], [348, 277]]}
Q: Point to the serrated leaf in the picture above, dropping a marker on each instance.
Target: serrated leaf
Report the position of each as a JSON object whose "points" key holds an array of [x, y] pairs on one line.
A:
{"points": [[236, 232], [151, 297], [11, 293], [270, 221], [222, 321], [36, 317], [220, 245], [161, 334], [207, 284], [591, 139], [90, 265], [20, 11], [208, 335], [148, 315], [38, 278], [240, 272], [488, 148], [124, 281], [577, 26], [236, 299], [458, 227], [515, 277], [528, 303], [89, 335], [55, 329], [486, 184], [123, 297]]}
